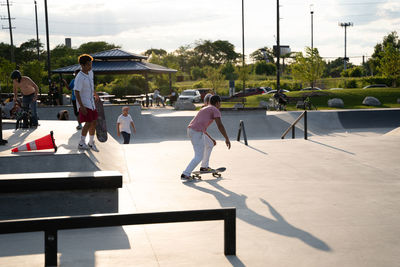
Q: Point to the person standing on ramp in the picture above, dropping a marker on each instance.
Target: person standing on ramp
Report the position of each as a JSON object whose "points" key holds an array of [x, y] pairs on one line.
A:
{"points": [[85, 96], [197, 132]]}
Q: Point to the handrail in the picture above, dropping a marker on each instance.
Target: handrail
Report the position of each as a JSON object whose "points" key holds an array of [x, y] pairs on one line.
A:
{"points": [[241, 128], [304, 114], [50, 226]]}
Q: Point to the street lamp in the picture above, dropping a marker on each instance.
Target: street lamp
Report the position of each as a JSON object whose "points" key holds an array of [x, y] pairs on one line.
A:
{"points": [[312, 38], [345, 25], [312, 25]]}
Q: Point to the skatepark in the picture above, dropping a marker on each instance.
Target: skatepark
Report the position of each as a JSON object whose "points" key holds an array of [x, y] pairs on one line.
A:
{"points": [[328, 200]]}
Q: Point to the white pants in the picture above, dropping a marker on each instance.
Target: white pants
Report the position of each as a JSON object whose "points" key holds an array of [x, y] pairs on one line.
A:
{"points": [[202, 146]]}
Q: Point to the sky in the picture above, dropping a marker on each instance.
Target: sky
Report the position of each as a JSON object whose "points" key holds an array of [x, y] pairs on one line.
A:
{"points": [[138, 25]]}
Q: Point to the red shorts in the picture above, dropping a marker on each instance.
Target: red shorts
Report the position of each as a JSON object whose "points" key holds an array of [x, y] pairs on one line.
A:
{"points": [[90, 116]]}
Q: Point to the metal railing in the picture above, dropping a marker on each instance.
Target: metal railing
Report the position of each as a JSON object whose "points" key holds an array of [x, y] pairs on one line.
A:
{"points": [[241, 128], [293, 126], [50, 226]]}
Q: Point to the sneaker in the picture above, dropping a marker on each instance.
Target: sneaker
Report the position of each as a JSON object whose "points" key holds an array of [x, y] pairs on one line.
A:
{"points": [[79, 127], [185, 177], [206, 169], [83, 146], [93, 147]]}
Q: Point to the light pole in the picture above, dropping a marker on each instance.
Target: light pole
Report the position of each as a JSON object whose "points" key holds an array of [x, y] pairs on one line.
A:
{"points": [[312, 39], [312, 25], [278, 49], [48, 44], [345, 25], [243, 56], [37, 33]]}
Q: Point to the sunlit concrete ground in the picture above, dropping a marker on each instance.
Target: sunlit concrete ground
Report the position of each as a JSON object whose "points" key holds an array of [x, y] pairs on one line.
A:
{"points": [[331, 200]]}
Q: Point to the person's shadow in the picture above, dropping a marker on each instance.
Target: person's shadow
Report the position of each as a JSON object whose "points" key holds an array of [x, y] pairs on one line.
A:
{"points": [[277, 225]]}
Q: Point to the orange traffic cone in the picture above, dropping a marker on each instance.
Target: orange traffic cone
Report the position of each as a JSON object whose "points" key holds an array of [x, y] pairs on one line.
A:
{"points": [[46, 142]]}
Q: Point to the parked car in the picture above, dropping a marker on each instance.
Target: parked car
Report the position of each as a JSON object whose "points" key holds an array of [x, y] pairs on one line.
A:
{"points": [[191, 95], [252, 91], [203, 92], [336, 88], [274, 91], [375, 86], [311, 89]]}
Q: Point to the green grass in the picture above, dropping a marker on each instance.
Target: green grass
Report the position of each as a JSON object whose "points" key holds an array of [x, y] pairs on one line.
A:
{"points": [[352, 98]]}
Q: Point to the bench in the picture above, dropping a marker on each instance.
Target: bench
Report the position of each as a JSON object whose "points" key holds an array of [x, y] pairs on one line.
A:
{"points": [[48, 181], [50, 226]]}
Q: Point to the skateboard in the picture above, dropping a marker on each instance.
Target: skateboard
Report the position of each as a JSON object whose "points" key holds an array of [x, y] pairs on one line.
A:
{"points": [[215, 173], [101, 126]]}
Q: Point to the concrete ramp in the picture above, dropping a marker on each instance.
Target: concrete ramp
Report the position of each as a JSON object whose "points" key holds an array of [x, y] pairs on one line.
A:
{"points": [[169, 125]]}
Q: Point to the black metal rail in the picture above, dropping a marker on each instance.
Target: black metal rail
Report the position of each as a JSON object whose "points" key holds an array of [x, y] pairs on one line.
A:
{"points": [[241, 128], [293, 126], [50, 226]]}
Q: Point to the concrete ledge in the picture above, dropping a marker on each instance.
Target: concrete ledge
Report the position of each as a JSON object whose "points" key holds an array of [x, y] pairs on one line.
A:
{"points": [[28, 182]]}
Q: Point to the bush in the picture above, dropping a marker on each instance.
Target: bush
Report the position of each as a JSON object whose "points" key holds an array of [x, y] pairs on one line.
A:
{"points": [[349, 83], [199, 84], [376, 80]]}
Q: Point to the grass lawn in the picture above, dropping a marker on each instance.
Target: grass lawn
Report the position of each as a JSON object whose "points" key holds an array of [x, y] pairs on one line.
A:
{"points": [[352, 98]]}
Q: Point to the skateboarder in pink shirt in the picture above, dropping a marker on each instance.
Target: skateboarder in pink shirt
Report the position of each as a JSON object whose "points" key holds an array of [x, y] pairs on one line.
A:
{"points": [[201, 140]]}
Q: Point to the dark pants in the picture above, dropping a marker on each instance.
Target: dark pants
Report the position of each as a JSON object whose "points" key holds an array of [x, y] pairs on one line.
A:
{"points": [[126, 137], [27, 101]]}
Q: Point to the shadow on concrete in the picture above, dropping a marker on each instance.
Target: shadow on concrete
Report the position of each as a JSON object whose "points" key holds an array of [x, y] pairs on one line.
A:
{"points": [[17, 138], [277, 225], [77, 247], [256, 149], [332, 147], [235, 261]]}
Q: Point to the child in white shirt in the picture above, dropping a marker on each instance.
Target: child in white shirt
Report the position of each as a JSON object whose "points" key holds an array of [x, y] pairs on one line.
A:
{"points": [[123, 125]]}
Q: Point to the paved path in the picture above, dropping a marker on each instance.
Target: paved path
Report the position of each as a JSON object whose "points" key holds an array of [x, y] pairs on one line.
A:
{"points": [[331, 200]]}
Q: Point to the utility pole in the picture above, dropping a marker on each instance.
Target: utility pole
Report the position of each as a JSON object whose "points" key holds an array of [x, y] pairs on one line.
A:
{"points": [[37, 33], [345, 25], [11, 34], [278, 49]]}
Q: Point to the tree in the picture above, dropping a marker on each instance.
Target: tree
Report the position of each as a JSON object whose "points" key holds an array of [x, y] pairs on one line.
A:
{"points": [[94, 47], [34, 70], [390, 63], [308, 68], [197, 73], [27, 51], [215, 77], [210, 53], [6, 67], [229, 71], [263, 68], [258, 55], [243, 73], [375, 60], [158, 52]]}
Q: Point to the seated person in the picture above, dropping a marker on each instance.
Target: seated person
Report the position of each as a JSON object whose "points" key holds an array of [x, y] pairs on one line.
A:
{"points": [[63, 115]]}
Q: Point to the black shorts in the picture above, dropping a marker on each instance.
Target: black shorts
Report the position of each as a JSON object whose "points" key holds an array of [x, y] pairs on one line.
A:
{"points": [[76, 111]]}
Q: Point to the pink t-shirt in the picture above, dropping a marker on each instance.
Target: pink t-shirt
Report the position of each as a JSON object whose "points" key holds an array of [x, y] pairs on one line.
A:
{"points": [[204, 118]]}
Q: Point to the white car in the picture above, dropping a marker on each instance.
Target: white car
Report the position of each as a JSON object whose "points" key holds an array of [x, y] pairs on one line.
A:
{"points": [[191, 95]]}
